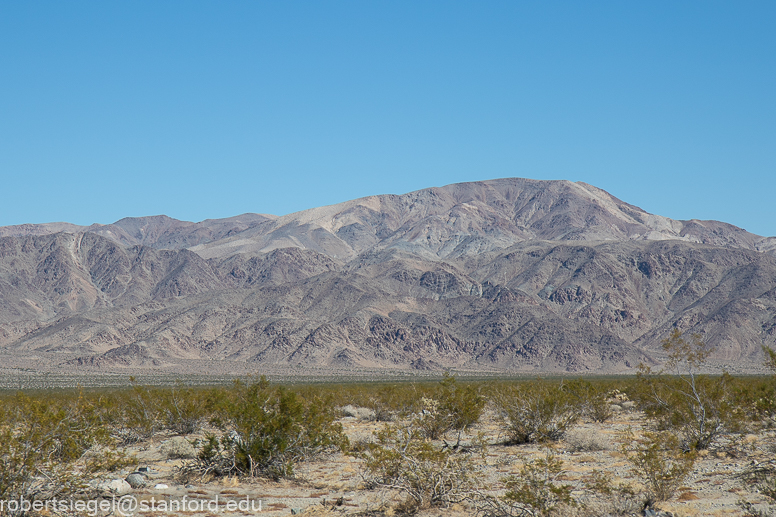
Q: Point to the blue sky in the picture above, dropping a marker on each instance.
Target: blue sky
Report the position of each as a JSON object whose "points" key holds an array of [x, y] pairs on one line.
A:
{"points": [[211, 109]]}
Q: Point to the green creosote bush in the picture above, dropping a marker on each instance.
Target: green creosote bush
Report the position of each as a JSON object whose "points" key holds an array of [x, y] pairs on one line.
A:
{"points": [[133, 416], [387, 402], [535, 492], [770, 358], [391, 402], [143, 411], [658, 459], [592, 398], [183, 409], [698, 407], [763, 393], [762, 475], [453, 407], [383, 404], [403, 458], [538, 411], [43, 444], [612, 500], [267, 430]]}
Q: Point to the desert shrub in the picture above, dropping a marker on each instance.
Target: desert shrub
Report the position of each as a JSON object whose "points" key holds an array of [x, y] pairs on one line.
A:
{"points": [[454, 407], [42, 443], [388, 402], [612, 500], [592, 399], [134, 415], [699, 415], [535, 412], [698, 407], [266, 431], [385, 401], [142, 411], [759, 394], [761, 477], [535, 492], [658, 459], [403, 458], [756, 398], [183, 409], [463, 403]]}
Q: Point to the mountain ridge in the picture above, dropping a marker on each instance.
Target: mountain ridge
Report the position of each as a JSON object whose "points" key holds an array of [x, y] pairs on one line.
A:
{"points": [[260, 232], [502, 275]]}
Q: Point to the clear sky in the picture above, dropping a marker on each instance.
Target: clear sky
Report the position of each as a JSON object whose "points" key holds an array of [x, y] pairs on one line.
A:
{"points": [[210, 109]]}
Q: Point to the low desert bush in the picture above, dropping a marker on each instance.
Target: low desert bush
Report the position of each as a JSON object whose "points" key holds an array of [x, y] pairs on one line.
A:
{"points": [[658, 459], [698, 408], [755, 397], [761, 477], [43, 444], [391, 402], [403, 458], [132, 416], [586, 440], [266, 431], [452, 407], [610, 499], [537, 411], [759, 393], [141, 412], [535, 492], [386, 402], [184, 409], [592, 398]]}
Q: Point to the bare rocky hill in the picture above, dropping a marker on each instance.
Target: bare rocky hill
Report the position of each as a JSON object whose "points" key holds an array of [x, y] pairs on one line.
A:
{"points": [[157, 231], [512, 274]]}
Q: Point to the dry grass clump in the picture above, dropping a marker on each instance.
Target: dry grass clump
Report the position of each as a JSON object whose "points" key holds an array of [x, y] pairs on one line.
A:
{"points": [[179, 448], [587, 440], [361, 413]]}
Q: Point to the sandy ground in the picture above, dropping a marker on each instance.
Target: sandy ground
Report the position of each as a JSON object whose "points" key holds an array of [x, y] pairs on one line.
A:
{"points": [[333, 485]]}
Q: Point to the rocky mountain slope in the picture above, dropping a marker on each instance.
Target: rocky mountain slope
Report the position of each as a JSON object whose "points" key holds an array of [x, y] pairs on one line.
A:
{"points": [[509, 274], [158, 231]]}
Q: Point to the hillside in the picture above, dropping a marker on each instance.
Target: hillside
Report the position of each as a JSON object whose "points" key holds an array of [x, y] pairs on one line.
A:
{"points": [[502, 275]]}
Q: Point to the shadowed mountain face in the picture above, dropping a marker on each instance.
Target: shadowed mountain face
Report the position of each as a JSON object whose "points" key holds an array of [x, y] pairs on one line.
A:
{"points": [[509, 274]]}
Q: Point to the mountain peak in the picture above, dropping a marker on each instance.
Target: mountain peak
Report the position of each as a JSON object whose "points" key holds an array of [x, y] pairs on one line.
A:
{"points": [[507, 274]]}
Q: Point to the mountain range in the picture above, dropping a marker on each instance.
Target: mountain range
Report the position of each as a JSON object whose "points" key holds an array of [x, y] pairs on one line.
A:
{"points": [[509, 275]]}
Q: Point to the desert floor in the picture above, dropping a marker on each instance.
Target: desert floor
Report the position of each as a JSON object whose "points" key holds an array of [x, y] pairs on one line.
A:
{"points": [[334, 484]]}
